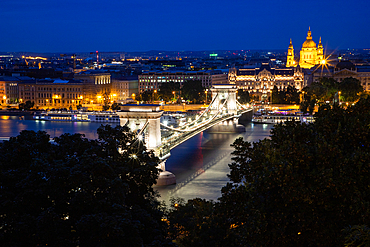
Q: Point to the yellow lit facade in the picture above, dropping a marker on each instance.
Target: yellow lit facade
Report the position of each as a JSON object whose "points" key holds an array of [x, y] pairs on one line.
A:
{"points": [[310, 54], [260, 81]]}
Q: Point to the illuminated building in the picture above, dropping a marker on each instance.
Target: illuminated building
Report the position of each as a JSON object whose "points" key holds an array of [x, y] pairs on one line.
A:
{"points": [[96, 86], [310, 55], [124, 87], [261, 80], [8, 89], [345, 69], [290, 58], [152, 80], [51, 93]]}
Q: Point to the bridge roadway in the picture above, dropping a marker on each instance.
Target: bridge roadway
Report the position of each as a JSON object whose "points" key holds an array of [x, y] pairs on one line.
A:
{"points": [[169, 143]]}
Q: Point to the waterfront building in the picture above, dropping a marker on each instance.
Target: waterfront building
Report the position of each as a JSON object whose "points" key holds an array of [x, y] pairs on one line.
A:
{"points": [[96, 86], [152, 80], [9, 93], [51, 93], [260, 81], [310, 54], [123, 88]]}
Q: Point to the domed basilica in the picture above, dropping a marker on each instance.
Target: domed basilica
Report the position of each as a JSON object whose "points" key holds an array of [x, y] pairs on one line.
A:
{"points": [[310, 55]]}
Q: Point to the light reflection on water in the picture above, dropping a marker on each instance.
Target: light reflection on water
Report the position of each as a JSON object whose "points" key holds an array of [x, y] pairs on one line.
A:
{"points": [[201, 150], [13, 125]]}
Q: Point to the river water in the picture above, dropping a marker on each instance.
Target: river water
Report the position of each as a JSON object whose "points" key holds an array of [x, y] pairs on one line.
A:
{"points": [[200, 164]]}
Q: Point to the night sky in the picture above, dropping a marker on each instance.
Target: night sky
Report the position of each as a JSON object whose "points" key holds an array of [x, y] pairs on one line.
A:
{"points": [[142, 25]]}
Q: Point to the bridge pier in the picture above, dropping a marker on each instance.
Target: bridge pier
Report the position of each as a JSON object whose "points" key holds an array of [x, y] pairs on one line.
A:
{"points": [[145, 120]]}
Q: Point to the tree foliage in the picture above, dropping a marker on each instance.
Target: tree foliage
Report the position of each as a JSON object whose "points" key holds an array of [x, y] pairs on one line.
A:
{"points": [[166, 89], [28, 105], [301, 187], [328, 88], [78, 191], [350, 89], [193, 90], [243, 96], [146, 96], [115, 106], [289, 95]]}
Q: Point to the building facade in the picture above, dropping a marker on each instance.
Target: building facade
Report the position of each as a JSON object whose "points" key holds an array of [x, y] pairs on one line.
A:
{"points": [[96, 86], [345, 69], [124, 88], [152, 80], [51, 93], [261, 80]]}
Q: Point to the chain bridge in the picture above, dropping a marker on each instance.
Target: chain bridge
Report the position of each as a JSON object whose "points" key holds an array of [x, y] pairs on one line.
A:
{"points": [[224, 109]]}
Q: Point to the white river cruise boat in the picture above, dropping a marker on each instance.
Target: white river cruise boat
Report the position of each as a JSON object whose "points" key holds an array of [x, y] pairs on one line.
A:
{"points": [[76, 116], [277, 118]]}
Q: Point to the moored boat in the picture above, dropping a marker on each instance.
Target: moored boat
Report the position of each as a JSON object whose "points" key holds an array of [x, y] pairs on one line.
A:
{"points": [[76, 116]]}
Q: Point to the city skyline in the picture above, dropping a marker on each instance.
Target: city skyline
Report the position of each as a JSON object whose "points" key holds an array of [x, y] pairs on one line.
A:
{"points": [[86, 26]]}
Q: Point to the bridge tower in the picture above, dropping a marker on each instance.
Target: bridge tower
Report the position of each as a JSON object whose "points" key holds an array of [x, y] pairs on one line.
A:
{"points": [[145, 119], [138, 117], [222, 92]]}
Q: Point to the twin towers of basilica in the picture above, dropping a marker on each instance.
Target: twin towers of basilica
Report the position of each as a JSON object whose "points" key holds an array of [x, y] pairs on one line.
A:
{"points": [[310, 55]]}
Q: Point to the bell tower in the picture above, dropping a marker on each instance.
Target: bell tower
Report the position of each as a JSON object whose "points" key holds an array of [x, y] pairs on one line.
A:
{"points": [[290, 58], [320, 52]]}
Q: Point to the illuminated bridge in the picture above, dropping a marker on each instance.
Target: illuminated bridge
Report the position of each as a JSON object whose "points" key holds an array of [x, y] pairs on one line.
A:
{"points": [[224, 109]]}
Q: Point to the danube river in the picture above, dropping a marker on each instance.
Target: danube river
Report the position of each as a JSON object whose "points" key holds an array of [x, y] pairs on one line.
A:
{"points": [[200, 164]]}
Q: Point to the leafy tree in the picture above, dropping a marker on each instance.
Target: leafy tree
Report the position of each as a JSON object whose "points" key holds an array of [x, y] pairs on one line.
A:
{"points": [[305, 184], [357, 236], [311, 106], [243, 96], [276, 96], [327, 88], [303, 106], [193, 90], [166, 89], [146, 96], [301, 187], [116, 106], [79, 191], [350, 89], [195, 223], [106, 107], [28, 105], [289, 95]]}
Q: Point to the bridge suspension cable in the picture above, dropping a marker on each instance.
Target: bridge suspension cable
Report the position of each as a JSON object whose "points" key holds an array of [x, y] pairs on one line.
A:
{"points": [[182, 128]]}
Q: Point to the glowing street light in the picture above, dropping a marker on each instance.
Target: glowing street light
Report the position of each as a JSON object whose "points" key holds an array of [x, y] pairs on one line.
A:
{"points": [[339, 97], [153, 95]]}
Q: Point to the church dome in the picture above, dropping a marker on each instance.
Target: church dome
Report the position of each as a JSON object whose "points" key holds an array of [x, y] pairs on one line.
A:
{"points": [[309, 43]]}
